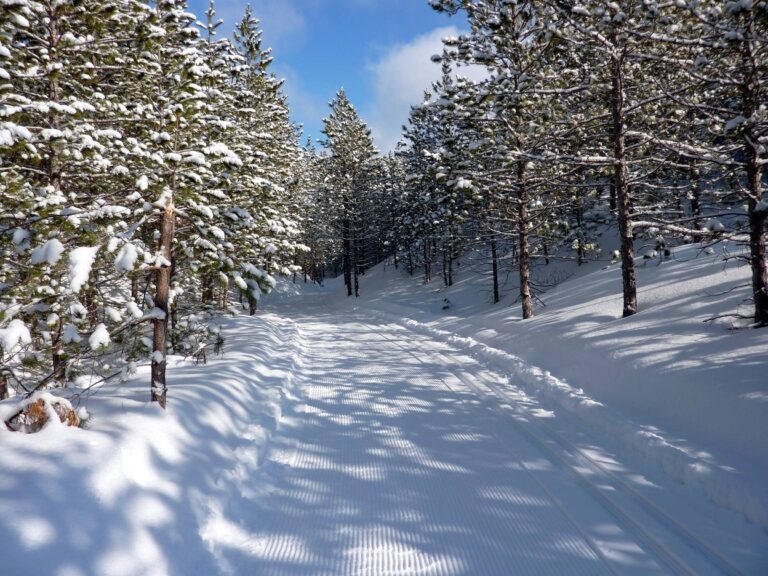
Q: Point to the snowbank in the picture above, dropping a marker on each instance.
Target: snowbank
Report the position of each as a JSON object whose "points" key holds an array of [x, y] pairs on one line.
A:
{"points": [[689, 395], [718, 483], [142, 491]]}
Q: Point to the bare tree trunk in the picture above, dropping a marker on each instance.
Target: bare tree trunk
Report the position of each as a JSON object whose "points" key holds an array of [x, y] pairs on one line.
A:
{"points": [[522, 232], [629, 279], [445, 266], [208, 295], [495, 268], [451, 255], [134, 286], [162, 289], [3, 386], [757, 219], [347, 257], [355, 268]]}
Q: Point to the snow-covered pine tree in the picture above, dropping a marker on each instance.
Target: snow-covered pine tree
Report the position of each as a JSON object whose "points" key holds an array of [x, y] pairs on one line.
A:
{"points": [[602, 41], [61, 158], [516, 107], [267, 142], [716, 78], [350, 154]]}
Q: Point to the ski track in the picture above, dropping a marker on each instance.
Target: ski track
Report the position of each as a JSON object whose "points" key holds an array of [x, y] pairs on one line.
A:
{"points": [[399, 465]]}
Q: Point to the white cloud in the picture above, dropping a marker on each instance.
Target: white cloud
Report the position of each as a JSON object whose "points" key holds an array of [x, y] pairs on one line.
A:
{"points": [[400, 78]]}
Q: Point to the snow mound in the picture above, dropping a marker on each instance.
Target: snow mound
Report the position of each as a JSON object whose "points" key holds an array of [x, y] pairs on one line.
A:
{"points": [[142, 491]]}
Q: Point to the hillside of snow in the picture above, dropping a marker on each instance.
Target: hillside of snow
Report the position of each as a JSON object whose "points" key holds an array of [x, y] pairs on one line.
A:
{"points": [[678, 388]]}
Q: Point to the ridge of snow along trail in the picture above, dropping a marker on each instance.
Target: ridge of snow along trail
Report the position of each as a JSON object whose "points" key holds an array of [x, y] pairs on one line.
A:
{"points": [[403, 464], [145, 492], [680, 463]]}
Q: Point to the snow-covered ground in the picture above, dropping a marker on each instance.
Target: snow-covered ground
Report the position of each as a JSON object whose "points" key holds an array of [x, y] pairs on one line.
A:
{"points": [[385, 435], [145, 492], [688, 394]]}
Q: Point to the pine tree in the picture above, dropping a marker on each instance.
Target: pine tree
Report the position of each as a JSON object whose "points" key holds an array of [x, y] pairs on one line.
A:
{"points": [[351, 151]]}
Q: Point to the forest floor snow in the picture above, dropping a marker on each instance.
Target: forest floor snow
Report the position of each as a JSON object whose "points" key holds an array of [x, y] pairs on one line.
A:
{"points": [[385, 435]]}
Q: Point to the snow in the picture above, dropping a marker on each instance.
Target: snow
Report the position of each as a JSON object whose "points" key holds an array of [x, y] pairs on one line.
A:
{"points": [[80, 263], [50, 252], [99, 338], [70, 333], [146, 491], [133, 309], [14, 336], [126, 258], [386, 435]]}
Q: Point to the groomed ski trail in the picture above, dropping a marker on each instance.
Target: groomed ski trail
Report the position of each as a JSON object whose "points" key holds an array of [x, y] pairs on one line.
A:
{"points": [[400, 465]]}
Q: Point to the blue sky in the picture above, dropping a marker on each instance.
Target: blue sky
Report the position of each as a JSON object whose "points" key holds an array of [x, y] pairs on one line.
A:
{"points": [[377, 50]]}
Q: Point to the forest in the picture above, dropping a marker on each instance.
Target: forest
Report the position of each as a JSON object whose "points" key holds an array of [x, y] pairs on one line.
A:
{"points": [[151, 176]]}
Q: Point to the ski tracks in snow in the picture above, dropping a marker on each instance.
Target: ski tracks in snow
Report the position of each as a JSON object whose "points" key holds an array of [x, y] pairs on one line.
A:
{"points": [[405, 457]]}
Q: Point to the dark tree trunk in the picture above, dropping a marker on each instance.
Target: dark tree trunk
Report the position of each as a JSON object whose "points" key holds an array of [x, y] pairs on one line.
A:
{"points": [[356, 269], [522, 233], [162, 288], [174, 324], [451, 255], [53, 167], [495, 269], [757, 220], [208, 289], [134, 287], [445, 267], [59, 357], [582, 235], [347, 257], [3, 386], [627, 248]]}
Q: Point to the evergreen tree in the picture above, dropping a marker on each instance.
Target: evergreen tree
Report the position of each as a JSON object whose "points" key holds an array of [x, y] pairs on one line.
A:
{"points": [[350, 155]]}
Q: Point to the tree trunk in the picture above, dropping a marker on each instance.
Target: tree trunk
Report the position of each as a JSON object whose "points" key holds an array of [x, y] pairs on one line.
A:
{"points": [[54, 172], [757, 219], [207, 295], [627, 248], [495, 269], [695, 201], [445, 266], [162, 288], [347, 257], [522, 232], [612, 196], [174, 324]]}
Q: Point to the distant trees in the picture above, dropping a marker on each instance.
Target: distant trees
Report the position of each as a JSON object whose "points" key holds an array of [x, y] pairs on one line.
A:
{"points": [[655, 109]]}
